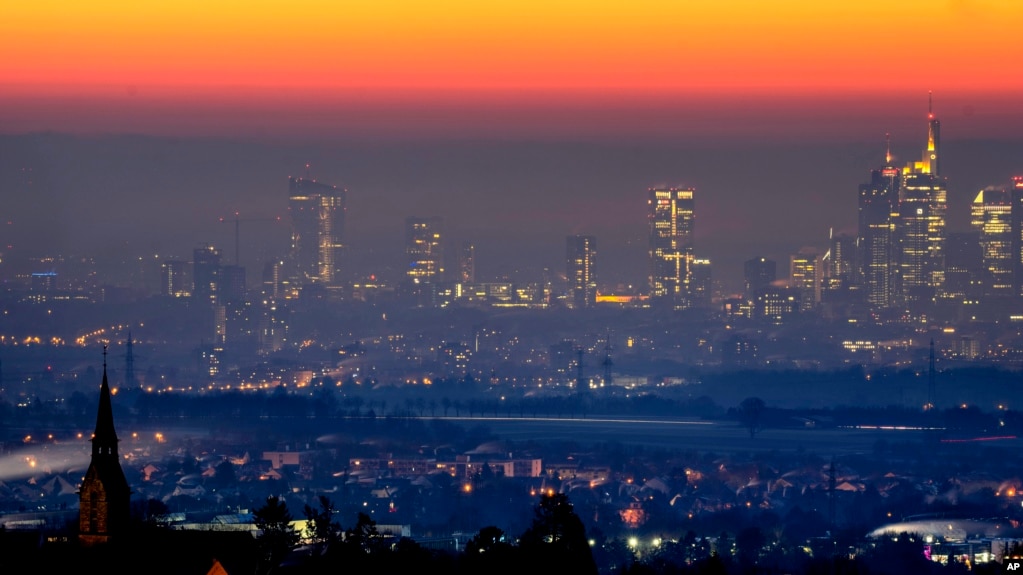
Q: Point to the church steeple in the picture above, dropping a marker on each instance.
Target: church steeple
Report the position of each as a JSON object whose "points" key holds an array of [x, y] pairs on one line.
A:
{"points": [[104, 438], [104, 499]]}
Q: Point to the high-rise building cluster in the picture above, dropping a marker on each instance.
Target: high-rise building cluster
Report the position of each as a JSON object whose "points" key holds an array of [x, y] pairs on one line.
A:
{"points": [[901, 263], [905, 256], [902, 260], [902, 232], [901, 256]]}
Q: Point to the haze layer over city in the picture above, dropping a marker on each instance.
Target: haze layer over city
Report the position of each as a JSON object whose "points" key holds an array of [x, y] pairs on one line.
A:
{"points": [[682, 276]]}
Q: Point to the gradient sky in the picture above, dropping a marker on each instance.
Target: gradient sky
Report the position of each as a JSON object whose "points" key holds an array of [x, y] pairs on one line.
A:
{"points": [[518, 121], [456, 67]]}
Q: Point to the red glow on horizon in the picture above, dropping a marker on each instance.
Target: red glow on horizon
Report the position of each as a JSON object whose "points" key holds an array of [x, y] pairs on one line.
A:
{"points": [[449, 114]]}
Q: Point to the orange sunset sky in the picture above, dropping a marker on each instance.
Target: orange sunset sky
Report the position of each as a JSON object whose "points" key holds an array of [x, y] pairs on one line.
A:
{"points": [[203, 66]]}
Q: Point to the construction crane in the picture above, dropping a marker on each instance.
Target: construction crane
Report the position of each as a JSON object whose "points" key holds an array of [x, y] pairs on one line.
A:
{"points": [[237, 231]]}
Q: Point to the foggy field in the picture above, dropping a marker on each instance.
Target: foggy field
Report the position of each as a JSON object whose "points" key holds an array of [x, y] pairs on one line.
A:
{"points": [[697, 435]]}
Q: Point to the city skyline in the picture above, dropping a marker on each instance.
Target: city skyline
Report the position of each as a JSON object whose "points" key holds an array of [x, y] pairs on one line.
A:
{"points": [[380, 249], [744, 279], [514, 150]]}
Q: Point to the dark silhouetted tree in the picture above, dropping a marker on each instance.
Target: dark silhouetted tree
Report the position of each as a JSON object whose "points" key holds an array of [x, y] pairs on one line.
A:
{"points": [[751, 414], [363, 537], [487, 540], [276, 535], [748, 544], [556, 541], [321, 525], [489, 551]]}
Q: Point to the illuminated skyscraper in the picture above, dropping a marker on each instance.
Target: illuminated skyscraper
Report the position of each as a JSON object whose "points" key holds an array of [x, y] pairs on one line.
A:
{"points": [[317, 230], [840, 261], [172, 278], [467, 263], [922, 234], [272, 278], [805, 277], [580, 270], [992, 216], [703, 282], [878, 212], [425, 249], [671, 215], [920, 228], [206, 274]]}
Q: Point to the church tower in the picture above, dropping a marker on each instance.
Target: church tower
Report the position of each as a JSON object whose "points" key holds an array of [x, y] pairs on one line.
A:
{"points": [[103, 500]]}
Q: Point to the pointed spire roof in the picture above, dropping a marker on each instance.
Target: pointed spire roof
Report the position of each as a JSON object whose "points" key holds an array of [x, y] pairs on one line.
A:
{"points": [[931, 136], [104, 435]]}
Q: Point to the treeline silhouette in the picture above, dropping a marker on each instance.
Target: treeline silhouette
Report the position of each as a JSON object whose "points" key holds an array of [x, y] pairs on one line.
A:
{"points": [[462, 398], [555, 543]]}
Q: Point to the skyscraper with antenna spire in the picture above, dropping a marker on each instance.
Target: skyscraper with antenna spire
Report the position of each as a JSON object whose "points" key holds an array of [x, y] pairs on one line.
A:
{"points": [[878, 203], [930, 163], [921, 232]]}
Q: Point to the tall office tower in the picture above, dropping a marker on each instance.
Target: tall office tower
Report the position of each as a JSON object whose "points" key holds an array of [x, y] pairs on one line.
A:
{"points": [[703, 282], [992, 216], [272, 278], [467, 263], [425, 249], [921, 229], [1016, 196], [840, 261], [805, 277], [272, 327], [671, 215], [232, 283], [172, 278], [580, 270], [237, 322], [547, 287], [206, 274], [921, 234], [759, 273], [878, 210], [317, 230], [963, 266], [219, 325]]}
